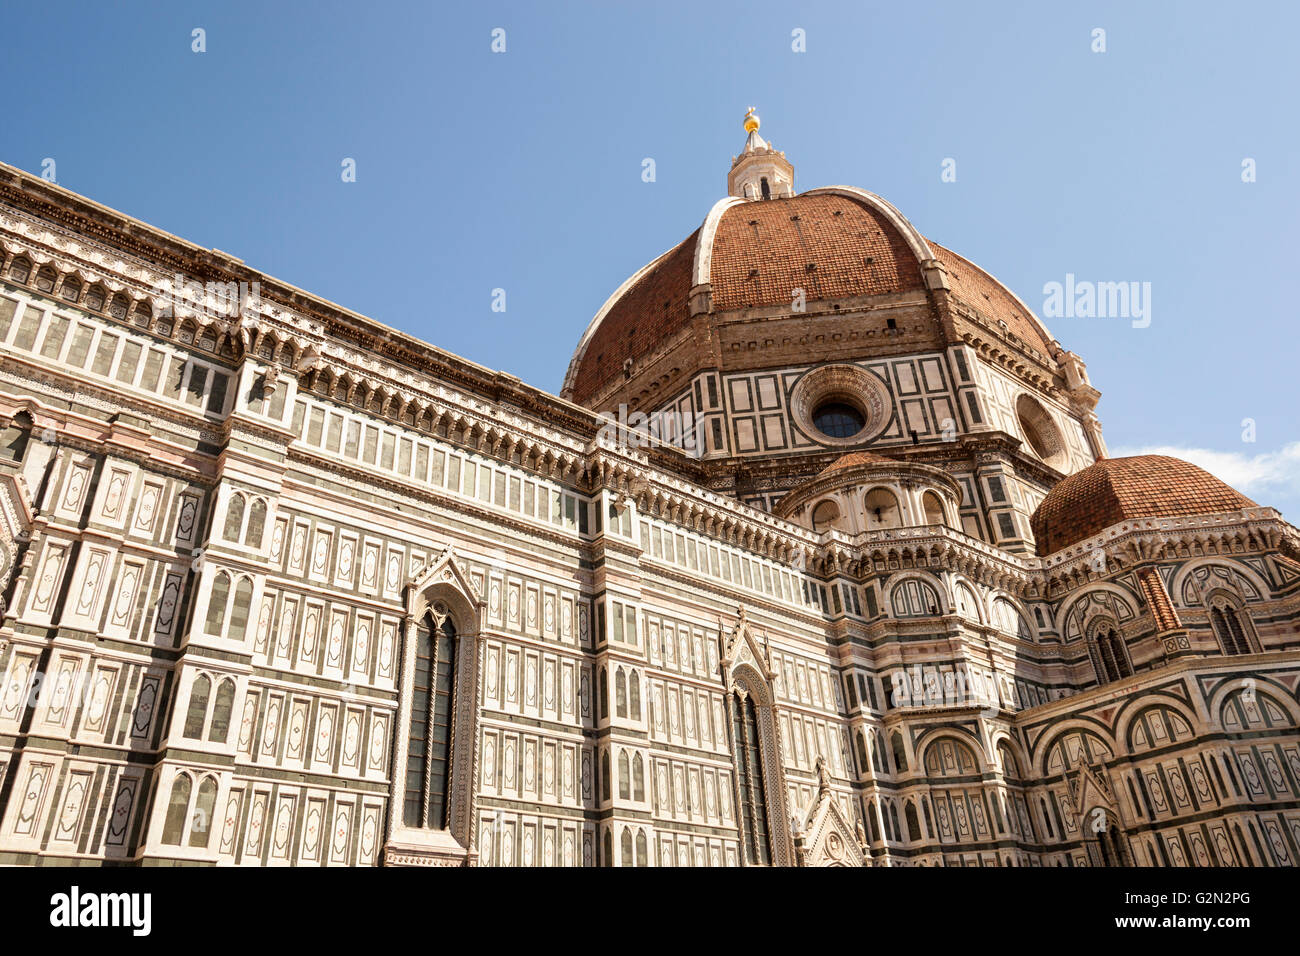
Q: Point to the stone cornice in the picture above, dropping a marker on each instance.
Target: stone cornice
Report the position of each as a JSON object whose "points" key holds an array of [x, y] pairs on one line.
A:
{"points": [[1141, 540]]}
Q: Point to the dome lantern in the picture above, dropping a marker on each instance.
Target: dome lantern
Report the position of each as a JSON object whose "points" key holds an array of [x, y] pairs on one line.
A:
{"points": [[759, 172]]}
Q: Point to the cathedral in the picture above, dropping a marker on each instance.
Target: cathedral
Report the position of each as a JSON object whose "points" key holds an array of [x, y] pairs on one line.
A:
{"points": [[817, 559]]}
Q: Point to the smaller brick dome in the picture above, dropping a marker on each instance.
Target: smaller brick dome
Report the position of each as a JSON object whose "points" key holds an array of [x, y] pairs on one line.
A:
{"points": [[1119, 489], [852, 460]]}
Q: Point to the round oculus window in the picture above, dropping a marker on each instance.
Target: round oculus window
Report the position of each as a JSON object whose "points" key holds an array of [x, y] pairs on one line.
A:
{"points": [[838, 420], [841, 405]]}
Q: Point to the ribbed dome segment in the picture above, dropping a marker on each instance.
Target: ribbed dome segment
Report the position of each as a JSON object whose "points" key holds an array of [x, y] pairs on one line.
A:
{"points": [[1120, 489], [978, 289], [852, 460], [762, 252], [651, 311], [835, 244]]}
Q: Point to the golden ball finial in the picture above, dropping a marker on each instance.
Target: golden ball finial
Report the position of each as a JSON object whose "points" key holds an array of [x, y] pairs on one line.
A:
{"points": [[751, 120]]}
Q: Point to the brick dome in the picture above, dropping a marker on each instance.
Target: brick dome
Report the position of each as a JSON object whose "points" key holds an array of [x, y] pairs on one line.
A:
{"points": [[1119, 489], [852, 460], [836, 243]]}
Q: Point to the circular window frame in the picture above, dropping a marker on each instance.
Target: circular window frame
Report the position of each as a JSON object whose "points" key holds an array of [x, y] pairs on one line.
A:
{"points": [[1033, 417], [844, 384]]}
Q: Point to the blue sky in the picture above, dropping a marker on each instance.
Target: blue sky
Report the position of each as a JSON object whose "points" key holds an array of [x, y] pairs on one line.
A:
{"points": [[522, 170]]}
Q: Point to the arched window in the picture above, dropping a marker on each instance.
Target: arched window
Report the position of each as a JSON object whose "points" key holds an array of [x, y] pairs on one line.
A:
{"points": [[825, 515], [933, 508], [96, 298], [20, 270], [634, 694], [1110, 842], [204, 807], [893, 822], [641, 850], [119, 306], [45, 279], [1226, 621], [604, 694], [913, 824], [624, 775], [914, 598], [967, 604], [239, 611], [620, 693], [234, 518], [428, 777], [14, 439], [749, 775], [1009, 619], [71, 289], [604, 775], [862, 751], [221, 712], [948, 757], [638, 778], [609, 848], [177, 808], [900, 754], [765, 188], [881, 509], [217, 604], [1010, 765], [1109, 655], [256, 522], [198, 710], [626, 843]]}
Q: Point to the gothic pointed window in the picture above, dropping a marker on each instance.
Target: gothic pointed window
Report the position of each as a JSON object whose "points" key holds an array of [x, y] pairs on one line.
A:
{"points": [[900, 752], [177, 807], [749, 775], [198, 710], [428, 761], [1226, 621], [1109, 655], [256, 522], [234, 518], [204, 807], [913, 824], [221, 712], [239, 610], [217, 598]]}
